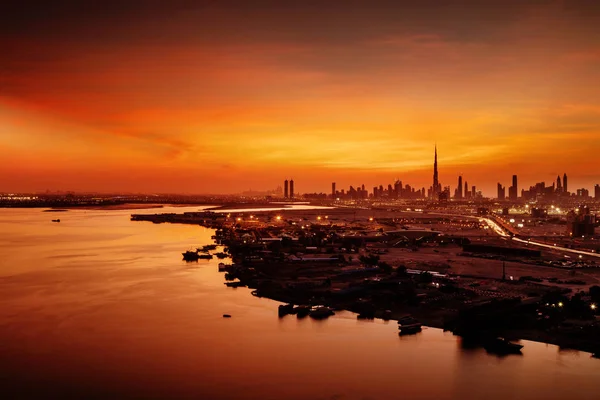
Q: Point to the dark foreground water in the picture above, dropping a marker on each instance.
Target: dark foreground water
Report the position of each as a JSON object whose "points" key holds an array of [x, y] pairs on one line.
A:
{"points": [[97, 306]]}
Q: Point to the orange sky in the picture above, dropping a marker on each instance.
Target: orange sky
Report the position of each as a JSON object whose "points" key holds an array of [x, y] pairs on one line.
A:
{"points": [[220, 97]]}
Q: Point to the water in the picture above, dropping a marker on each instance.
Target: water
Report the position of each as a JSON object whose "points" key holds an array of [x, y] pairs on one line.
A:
{"points": [[97, 306]]}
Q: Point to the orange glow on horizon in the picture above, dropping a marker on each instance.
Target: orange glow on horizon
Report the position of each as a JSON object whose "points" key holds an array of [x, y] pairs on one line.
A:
{"points": [[196, 116]]}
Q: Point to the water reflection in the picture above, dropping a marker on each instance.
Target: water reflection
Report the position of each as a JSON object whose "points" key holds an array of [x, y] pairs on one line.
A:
{"points": [[102, 306]]}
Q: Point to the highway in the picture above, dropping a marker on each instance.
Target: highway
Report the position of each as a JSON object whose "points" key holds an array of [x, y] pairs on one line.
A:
{"points": [[501, 232]]}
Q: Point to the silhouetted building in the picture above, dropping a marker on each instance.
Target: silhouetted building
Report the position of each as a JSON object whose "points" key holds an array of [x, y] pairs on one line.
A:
{"points": [[459, 194], [501, 192], [580, 222], [597, 192], [436, 188], [333, 190], [513, 191], [467, 190], [397, 189], [286, 192], [565, 186], [559, 188], [583, 193], [539, 212], [291, 188]]}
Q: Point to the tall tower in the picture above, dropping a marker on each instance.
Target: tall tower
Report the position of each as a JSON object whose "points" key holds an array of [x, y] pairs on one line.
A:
{"points": [[333, 190], [285, 189], [513, 191], [291, 188], [565, 187], [435, 188], [558, 185], [460, 187]]}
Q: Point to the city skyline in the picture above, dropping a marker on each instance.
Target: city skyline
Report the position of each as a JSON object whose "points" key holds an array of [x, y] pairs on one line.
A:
{"points": [[219, 94]]}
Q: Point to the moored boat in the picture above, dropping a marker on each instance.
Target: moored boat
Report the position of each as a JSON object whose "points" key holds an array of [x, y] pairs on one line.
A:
{"points": [[321, 312], [190, 255], [408, 325], [502, 346], [285, 309], [302, 311]]}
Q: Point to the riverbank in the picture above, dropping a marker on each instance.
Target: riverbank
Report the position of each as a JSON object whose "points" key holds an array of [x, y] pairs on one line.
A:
{"points": [[366, 262]]}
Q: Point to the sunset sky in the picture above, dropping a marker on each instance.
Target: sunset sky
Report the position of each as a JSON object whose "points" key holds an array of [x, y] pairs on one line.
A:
{"points": [[223, 96]]}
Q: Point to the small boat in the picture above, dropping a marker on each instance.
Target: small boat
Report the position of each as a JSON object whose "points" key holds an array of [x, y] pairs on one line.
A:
{"points": [[410, 329], [207, 247], [190, 255], [223, 267], [205, 256], [408, 325], [234, 284], [321, 312], [286, 309], [226, 315], [221, 255], [501, 346], [302, 311], [56, 220]]}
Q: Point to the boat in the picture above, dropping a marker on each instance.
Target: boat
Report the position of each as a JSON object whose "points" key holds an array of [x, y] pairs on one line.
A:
{"points": [[408, 325], [221, 255], [234, 284], [56, 220], [191, 255], [223, 267], [501, 345], [410, 329], [205, 256], [321, 312], [302, 311], [207, 247], [285, 309]]}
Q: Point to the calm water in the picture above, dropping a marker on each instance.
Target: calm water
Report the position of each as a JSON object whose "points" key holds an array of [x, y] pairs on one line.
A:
{"points": [[97, 306]]}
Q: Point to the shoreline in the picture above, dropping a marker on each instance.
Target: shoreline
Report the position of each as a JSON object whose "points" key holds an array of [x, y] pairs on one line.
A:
{"points": [[372, 291]]}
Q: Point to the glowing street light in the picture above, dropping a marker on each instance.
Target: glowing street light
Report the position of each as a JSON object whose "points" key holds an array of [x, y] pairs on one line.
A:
{"points": [[560, 304], [319, 218], [593, 306], [279, 218], [371, 219]]}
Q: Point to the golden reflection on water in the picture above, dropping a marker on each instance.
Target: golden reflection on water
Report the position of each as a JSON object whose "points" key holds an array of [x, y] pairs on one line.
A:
{"points": [[99, 305]]}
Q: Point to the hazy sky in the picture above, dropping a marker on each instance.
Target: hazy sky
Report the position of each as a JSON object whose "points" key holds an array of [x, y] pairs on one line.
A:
{"points": [[222, 96]]}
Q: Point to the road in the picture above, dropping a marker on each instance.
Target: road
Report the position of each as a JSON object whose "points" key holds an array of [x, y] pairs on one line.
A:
{"points": [[502, 232]]}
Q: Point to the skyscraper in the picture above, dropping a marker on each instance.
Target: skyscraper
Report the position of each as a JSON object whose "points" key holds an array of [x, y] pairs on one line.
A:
{"points": [[565, 187], [466, 190], [333, 190], [460, 188], [291, 188], [501, 192], [436, 188], [559, 188], [597, 192], [513, 191], [285, 189]]}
